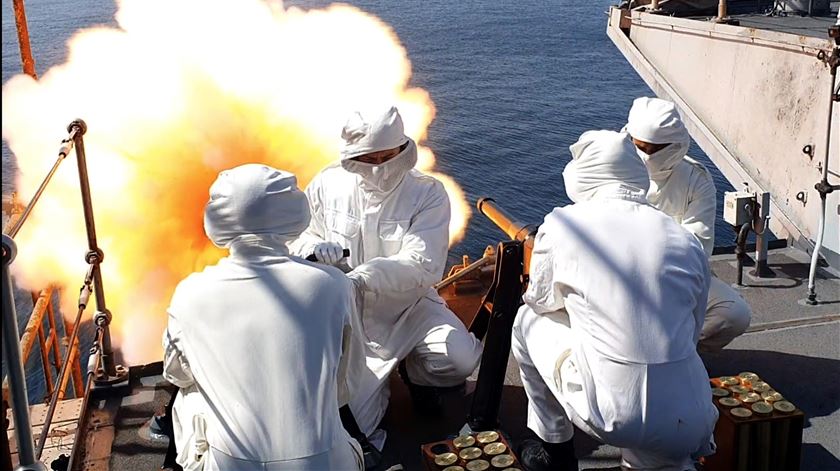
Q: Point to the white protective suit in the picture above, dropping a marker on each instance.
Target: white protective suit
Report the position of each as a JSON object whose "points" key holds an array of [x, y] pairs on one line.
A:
{"points": [[394, 220], [682, 188], [260, 344], [607, 337]]}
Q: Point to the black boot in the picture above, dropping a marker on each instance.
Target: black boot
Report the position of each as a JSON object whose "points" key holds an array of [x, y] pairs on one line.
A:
{"points": [[425, 399], [537, 455], [163, 425], [372, 456]]}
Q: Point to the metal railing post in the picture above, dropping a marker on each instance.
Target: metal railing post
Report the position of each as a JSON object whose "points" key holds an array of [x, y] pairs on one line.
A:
{"points": [[14, 365], [761, 237], [95, 256], [823, 186], [23, 39]]}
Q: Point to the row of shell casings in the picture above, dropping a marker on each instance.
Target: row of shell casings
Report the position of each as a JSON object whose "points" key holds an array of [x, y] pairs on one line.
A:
{"points": [[746, 395], [477, 452]]}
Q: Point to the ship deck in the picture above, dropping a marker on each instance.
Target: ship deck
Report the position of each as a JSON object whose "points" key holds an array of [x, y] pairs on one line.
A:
{"points": [[813, 26], [790, 23], [791, 345]]}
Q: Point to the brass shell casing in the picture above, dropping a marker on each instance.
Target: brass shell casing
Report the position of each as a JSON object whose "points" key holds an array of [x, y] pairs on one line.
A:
{"points": [[502, 461], [784, 407], [740, 412], [761, 386], [738, 389], [446, 459], [762, 408], [729, 402], [496, 448], [750, 398], [729, 380], [487, 437], [478, 465], [463, 441], [772, 396], [470, 453]]}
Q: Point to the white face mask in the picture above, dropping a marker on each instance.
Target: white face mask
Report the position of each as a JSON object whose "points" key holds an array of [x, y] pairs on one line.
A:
{"points": [[385, 177], [662, 162]]}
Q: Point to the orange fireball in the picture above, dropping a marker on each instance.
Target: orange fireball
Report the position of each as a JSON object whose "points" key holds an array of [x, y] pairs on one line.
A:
{"points": [[178, 92]]}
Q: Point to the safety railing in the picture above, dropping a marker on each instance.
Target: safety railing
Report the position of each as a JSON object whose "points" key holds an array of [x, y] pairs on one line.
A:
{"points": [[49, 340], [102, 370]]}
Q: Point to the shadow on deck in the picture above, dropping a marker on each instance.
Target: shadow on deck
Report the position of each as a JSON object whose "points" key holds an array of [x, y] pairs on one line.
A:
{"points": [[793, 346]]}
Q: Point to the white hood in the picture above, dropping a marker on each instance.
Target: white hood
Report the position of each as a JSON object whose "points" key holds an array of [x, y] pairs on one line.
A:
{"points": [[373, 132], [604, 162], [255, 199], [658, 122]]}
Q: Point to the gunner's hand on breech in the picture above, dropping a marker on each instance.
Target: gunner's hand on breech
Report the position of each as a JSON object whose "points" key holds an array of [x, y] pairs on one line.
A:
{"points": [[328, 252]]}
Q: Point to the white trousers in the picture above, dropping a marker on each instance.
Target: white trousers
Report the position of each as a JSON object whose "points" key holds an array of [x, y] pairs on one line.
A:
{"points": [[344, 456], [196, 454], [727, 317], [438, 349], [539, 343]]}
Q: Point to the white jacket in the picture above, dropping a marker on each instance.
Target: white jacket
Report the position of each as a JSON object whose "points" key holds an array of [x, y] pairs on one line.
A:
{"points": [[634, 285], [261, 343], [263, 337], [398, 238], [680, 186], [687, 193]]}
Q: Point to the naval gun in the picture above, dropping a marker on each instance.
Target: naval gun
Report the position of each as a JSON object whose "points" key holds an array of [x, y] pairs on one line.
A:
{"points": [[494, 318]]}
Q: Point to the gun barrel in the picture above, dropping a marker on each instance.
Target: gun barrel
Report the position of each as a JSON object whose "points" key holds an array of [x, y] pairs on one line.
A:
{"points": [[505, 221]]}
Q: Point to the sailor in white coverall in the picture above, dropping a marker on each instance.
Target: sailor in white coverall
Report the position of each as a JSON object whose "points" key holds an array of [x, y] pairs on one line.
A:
{"points": [[261, 343], [682, 188], [607, 337], [394, 220]]}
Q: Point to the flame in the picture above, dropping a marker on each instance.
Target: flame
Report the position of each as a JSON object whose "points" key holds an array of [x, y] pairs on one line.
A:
{"points": [[179, 91]]}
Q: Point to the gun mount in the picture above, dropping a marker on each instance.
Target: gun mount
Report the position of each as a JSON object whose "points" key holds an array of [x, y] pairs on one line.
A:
{"points": [[490, 309]]}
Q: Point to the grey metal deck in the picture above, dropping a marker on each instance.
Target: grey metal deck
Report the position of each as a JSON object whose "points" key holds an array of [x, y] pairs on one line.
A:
{"points": [[792, 23], [793, 346]]}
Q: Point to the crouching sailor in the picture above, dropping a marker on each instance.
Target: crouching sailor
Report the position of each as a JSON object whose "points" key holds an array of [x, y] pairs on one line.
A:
{"points": [[607, 337], [260, 343], [682, 188], [395, 222]]}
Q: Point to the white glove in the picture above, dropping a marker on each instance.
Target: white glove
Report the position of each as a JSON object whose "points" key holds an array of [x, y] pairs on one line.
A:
{"points": [[328, 252]]}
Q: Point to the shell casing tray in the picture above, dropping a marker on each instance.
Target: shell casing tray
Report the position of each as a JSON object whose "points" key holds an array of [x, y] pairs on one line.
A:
{"points": [[757, 429], [479, 451]]}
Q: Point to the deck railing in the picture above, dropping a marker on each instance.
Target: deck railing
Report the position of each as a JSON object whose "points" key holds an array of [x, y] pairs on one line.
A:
{"points": [[102, 370]]}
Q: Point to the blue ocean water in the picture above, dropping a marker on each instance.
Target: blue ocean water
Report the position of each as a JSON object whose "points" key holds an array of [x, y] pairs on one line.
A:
{"points": [[514, 82]]}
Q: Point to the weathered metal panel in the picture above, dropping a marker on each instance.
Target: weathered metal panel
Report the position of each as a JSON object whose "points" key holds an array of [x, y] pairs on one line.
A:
{"points": [[752, 99], [62, 433]]}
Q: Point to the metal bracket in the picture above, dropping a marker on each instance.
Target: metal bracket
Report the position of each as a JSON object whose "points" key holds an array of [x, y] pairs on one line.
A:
{"points": [[505, 295], [9, 250], [825, 188], [95, 256], [102, 318], [830, 58]]}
